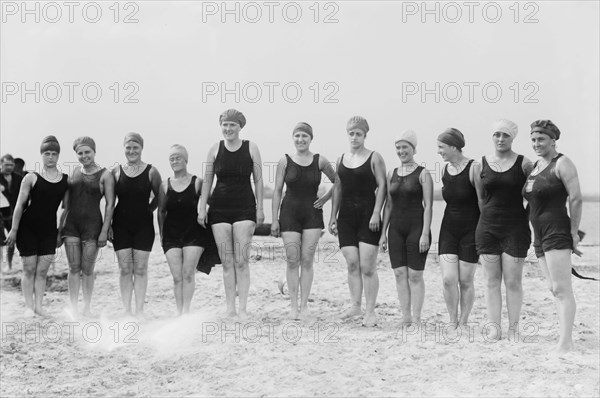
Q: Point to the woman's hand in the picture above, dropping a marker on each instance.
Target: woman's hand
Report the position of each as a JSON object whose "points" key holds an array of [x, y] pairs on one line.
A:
{"points": [[383, 243], [576, 241], [275, 229], [11, 238], [102, 238], [59, 239], [375, 222], [424, 243], [320, 202], [260, 216], [202, 218], [333, 227]]}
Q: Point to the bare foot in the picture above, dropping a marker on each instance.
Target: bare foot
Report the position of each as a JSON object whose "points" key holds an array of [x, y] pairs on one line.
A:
{"points": [[42, 313], [562, 348], [513, 335], [493, 334], [243, 316], [29, 313], [352, 312], [229, 314], [305, 313], [370, 320], [88, 313], [294, 314]]}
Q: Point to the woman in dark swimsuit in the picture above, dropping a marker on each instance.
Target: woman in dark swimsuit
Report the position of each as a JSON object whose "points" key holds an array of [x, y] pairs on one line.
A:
{"points": [[301, 218], [551, 184], [84, 231], [183, 239], [358, 195], [408, 212], [502, 235], [132, 225], [234, 210], [34, 224], [456, 244]]}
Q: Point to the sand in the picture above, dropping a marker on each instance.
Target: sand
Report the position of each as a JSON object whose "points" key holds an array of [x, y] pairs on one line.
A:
{"points": [[269, 355]]}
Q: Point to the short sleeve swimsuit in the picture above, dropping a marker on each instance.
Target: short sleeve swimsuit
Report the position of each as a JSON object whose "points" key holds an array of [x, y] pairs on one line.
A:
{"points": [[547, 199], [297, 208], [457, 233], [357, 204], [37, 232], [132, 223], [232, 199], [503, 226], [406, 222], [84, 219], [181, 228]]}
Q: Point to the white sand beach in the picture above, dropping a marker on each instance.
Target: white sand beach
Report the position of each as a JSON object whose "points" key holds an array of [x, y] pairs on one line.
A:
{"points": [[270, 355]]}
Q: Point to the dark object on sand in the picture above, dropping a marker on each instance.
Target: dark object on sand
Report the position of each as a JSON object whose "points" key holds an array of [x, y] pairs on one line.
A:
{"points": [[263, 230], [575, 273]]}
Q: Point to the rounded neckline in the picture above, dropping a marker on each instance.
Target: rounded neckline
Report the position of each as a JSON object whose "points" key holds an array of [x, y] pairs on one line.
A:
{"points": [[357, 167], [184, 189], [299, 165]]}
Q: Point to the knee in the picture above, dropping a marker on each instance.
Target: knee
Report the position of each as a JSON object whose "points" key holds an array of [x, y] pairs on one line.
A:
{"points": [[292, 264], [513, 284], [126, 271], [307, 264], [140, 271], [493, 281], [415, 278], [558, 290], [353, 267], [240, 265], [41, 273], [400, 274], [188, 277], [449, 282], [177, 279], [368, 272], [88, 271], [75, 268], [28, 273], [466, 284]]}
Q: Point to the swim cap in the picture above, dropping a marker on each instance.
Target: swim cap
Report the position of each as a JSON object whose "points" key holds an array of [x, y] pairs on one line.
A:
{"points": [[179, 150], [408, 136], [50, 143], [452, 137], [305, 127], [84, 141], [135, 137], [357, 122], [505, 126], [546, 127], [232, 115]]}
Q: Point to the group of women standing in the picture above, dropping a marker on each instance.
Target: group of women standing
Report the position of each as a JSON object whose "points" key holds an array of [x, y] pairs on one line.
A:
{"points": [[484, 219]]}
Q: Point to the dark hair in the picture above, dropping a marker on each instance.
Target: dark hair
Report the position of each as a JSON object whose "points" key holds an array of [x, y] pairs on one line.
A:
{"points": [[19, 162]]}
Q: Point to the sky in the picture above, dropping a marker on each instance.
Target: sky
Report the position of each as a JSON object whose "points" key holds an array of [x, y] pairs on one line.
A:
{"points": [[168, 69]]}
